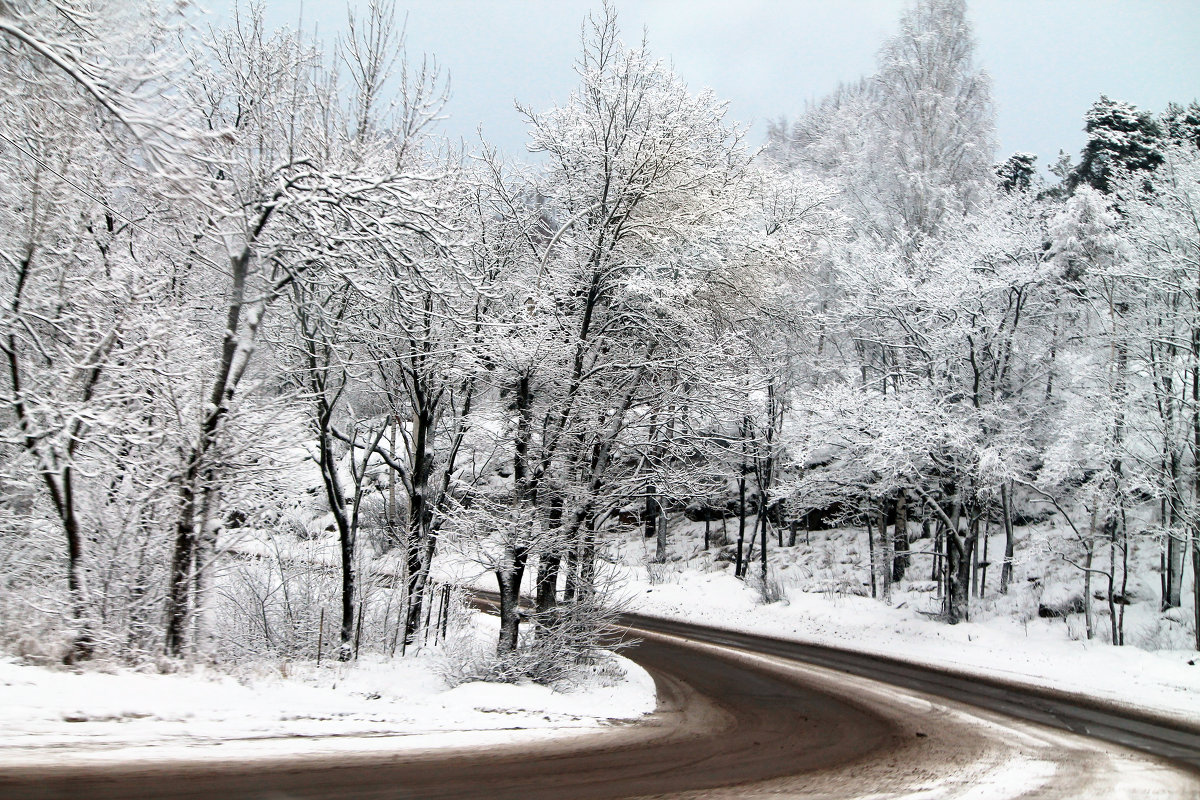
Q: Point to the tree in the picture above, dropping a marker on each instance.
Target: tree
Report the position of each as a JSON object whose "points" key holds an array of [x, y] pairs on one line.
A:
{"points": [[282, 166], [958, 327], [912, 144], [425, 337], [1086, 244], [1120, 137], [1017, 173], [641, 174], [1181, 124], [345, 260], [79, 330], [909, 150], [934, 116], [1161, 323]]}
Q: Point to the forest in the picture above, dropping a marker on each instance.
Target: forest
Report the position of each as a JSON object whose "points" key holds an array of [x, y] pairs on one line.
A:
{"points": [[252, 301]]}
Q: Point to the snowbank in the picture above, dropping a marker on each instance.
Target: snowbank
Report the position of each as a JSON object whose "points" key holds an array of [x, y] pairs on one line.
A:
{"points": [[119, 714], [1036, 652]]}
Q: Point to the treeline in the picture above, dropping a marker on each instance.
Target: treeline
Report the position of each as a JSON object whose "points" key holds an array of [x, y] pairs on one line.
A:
{"points": [[227, 258], [988, 339], [228, 254]]}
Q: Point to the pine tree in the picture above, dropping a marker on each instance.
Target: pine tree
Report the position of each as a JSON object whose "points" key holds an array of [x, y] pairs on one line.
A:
{"points": [[1017, 172], [1120, 137], [1181, 124]]}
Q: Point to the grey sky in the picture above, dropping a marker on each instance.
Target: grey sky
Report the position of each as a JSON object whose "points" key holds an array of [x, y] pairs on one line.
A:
{"points": [[1049, 59]]}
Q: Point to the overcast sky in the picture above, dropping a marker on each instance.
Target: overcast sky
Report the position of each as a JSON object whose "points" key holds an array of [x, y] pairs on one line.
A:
{"points": [[1049, 59]]}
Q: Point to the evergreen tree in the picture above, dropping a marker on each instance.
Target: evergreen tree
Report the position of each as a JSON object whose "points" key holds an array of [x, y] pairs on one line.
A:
{"points": [[1120, 137], [1017, 172], [1182, 124]]}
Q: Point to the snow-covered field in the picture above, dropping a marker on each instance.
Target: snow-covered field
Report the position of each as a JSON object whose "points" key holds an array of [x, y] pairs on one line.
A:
{"points": [[100, 714], [1005, 640]]}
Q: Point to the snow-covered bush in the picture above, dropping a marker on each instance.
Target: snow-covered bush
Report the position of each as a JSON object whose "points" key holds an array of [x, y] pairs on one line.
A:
{"points": [[770, 590], [272, 607], [660, 573], [556, 649]]}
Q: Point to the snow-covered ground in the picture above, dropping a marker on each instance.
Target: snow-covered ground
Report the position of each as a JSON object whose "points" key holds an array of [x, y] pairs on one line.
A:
{"points": [[1005, 640], [112, 714]]}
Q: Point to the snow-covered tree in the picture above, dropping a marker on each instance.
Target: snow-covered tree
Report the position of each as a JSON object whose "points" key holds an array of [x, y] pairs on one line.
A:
{"points": [[86, 138], [1161, 323], [1120, 137], [913, 143], [283, 165]]}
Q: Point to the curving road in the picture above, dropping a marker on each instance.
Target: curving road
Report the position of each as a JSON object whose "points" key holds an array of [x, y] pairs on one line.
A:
{"points": [[1178, 740], [739, 717]]}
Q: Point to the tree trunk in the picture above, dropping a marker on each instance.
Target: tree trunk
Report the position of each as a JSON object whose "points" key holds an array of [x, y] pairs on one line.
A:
{"points": [[336, 498], [207, 531], [958, 577], [508, 577], [983, 566], [660, 544], [1195, 527], [587, 563], [1111, 526], [975, 559], [1163, 358], [1088, 612], [1116, 522], [549, 565], [571, 587], [1124, 577], [414, 586], [763, 522], [421, 537], [547, 584], [393, 521], [83, 642], [660, 555], [179, 590], [739, 567], [346, 637], [901, 543], [938, 571], [650, 514], [1196, 585], [1176, 559], [871, 553], [888, 566], [1006, 570], [958, 567]]}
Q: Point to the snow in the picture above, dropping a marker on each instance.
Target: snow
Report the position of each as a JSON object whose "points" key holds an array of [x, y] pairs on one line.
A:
{"points": [[1005, 641], [1000, 644], [106, 713], [118, 714]]}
